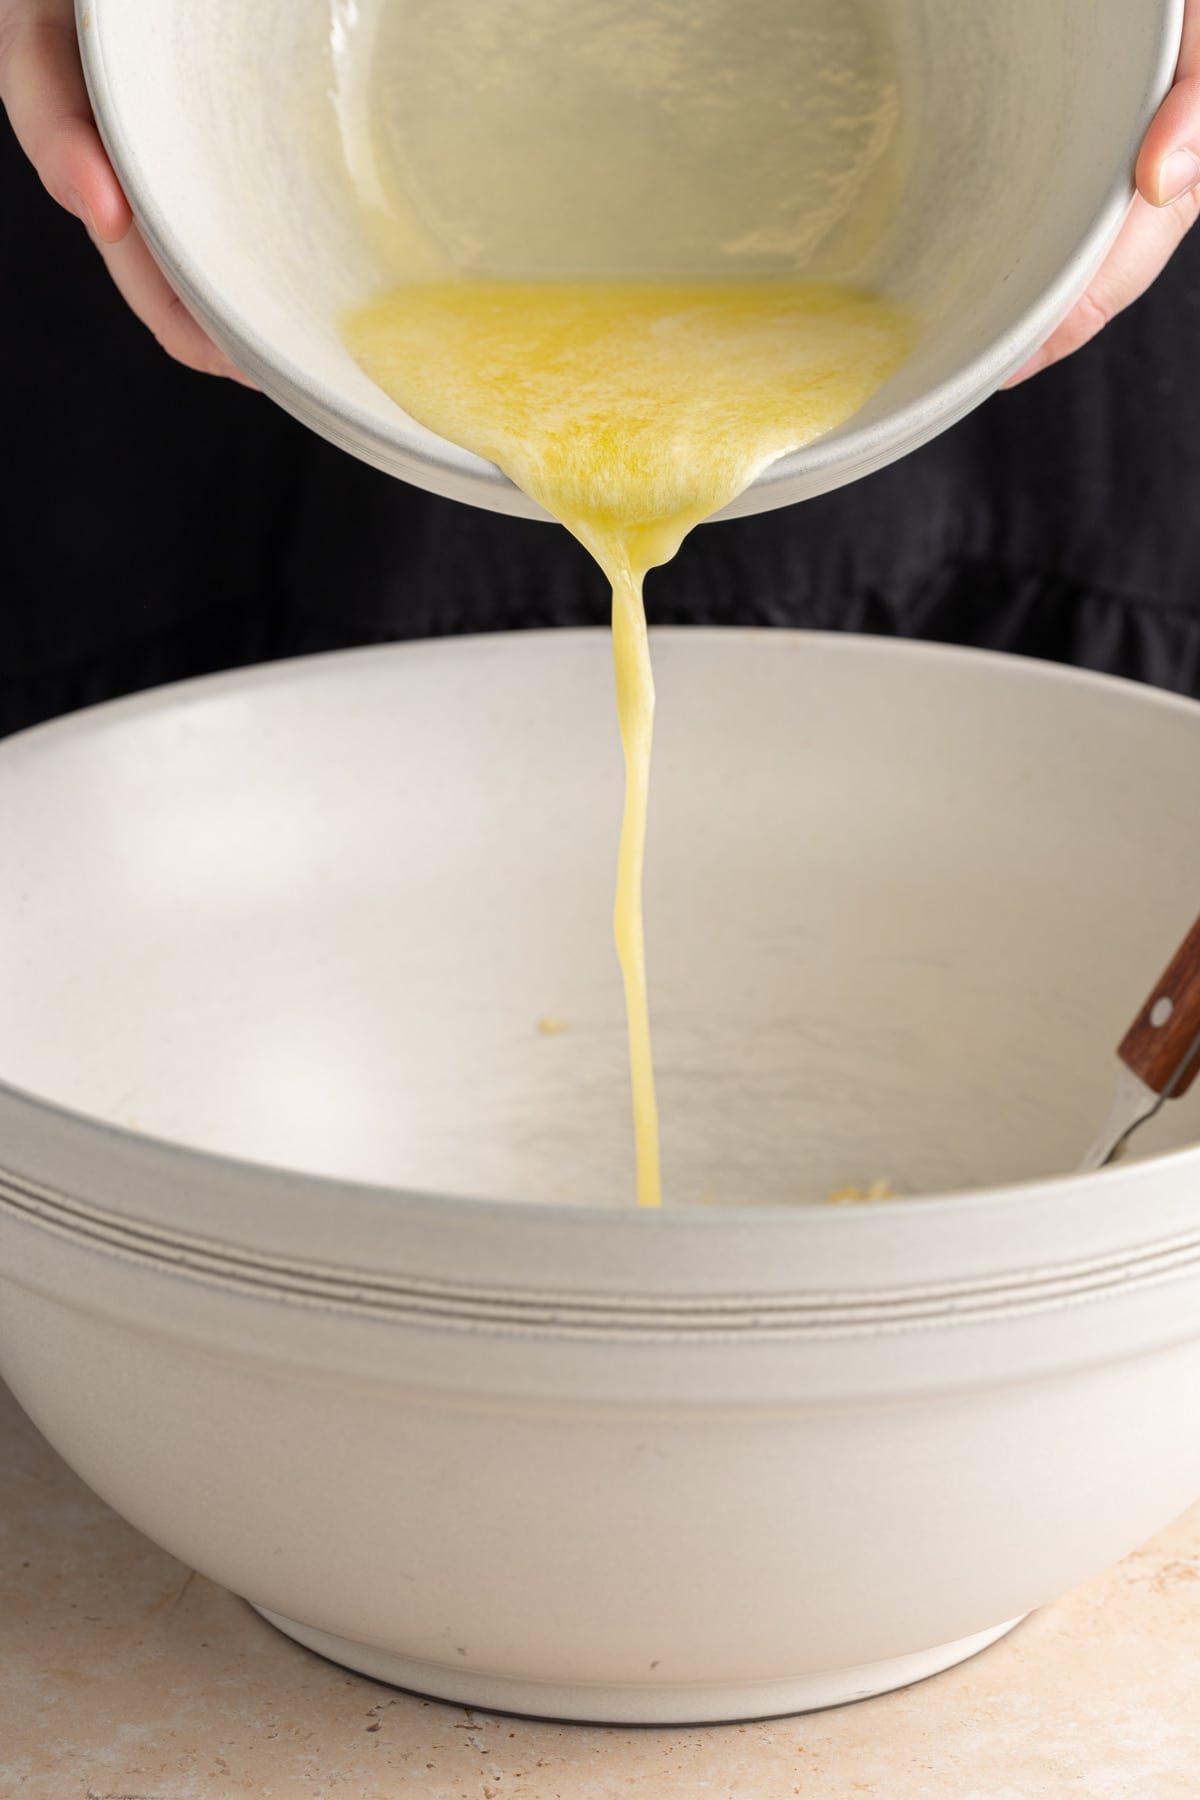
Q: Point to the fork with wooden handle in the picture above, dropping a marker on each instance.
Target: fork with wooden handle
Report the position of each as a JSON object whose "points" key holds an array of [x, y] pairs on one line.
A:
{"points": [[1160, 1056]]}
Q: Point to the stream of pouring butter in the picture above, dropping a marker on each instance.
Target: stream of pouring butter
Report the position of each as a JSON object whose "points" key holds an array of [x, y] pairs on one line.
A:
{"points": [[630, 411]]}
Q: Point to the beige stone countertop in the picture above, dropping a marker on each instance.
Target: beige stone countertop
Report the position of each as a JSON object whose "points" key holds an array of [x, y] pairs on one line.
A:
{"points": [[125, 1677]]}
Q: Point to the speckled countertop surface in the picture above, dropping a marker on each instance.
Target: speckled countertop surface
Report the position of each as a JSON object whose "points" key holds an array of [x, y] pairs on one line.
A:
{"points": [[124, 1677]]}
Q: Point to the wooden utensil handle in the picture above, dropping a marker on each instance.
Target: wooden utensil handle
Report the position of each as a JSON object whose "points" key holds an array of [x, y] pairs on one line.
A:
{"points": [[1167, 1030]]}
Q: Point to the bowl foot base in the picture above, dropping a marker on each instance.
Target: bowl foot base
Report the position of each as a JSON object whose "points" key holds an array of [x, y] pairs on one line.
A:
{"points": [[648, 1705]]}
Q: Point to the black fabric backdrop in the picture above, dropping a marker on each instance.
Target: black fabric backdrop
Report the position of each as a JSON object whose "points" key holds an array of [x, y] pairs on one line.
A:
{"points": [[157, 524]]}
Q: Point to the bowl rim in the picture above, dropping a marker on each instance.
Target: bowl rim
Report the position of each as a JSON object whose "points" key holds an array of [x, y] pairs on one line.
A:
{"points": [[208, 1166], [442, 467]]}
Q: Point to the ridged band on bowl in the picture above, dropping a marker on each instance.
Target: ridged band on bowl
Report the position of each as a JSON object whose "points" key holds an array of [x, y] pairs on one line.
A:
{"points": [[404, 1297]]}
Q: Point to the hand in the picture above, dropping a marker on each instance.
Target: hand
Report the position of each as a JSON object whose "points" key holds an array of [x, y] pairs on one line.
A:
{"points": [[1166, 208], [43, 91]]}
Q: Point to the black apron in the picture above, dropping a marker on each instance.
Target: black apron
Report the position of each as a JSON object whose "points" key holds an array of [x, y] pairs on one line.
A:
{"points": [[158, 524]]}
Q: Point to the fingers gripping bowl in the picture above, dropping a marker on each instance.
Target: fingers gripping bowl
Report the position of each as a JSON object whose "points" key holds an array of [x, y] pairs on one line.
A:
{"points": [[273, 952]]}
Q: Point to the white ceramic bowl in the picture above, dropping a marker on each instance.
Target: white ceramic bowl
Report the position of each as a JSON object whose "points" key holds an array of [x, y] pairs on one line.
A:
{"points": [[1023, 125], [272, 952]]}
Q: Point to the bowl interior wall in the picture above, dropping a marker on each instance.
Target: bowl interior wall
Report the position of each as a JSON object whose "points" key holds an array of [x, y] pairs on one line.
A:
{"points": [[901, 905]]}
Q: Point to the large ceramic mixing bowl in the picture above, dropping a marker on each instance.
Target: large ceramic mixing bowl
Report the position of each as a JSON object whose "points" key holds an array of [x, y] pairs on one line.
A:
{"points": [[237, 131], [318, 1252]]}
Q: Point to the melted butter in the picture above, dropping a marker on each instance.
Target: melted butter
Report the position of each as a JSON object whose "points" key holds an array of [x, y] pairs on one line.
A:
{"points": [[630, 411]]}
